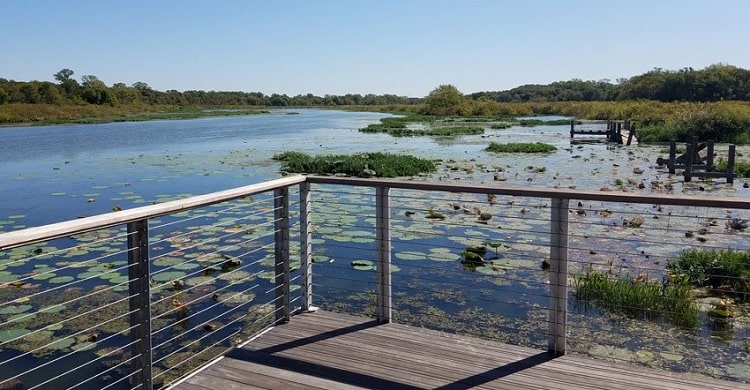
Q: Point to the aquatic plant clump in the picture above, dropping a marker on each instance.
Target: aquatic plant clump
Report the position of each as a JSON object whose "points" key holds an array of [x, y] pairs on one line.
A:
{"points": [[515, 147], [364, 164], [725, 270], [671, 300]]}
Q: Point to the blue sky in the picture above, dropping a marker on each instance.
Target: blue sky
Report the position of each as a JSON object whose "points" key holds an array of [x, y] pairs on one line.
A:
{"points": [[405, 47]]}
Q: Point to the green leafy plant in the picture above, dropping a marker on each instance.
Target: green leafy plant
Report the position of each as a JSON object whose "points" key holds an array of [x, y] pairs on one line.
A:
{"points": [[513, 147]]}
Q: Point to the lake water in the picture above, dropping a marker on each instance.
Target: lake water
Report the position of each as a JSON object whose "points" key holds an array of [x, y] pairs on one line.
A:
{"points": [[56, 173]]}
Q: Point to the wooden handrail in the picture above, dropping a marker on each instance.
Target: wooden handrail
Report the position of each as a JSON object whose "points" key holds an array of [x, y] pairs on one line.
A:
{"points": [[541, 192], [63, 229]]}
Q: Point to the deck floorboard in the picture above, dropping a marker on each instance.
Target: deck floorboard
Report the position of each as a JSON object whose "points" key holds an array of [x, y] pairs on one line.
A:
{"points": [[325, 350]]}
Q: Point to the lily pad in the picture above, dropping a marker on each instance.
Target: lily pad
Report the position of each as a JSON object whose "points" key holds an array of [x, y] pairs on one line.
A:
{"points": [[10, 334], [62, 279], [62, 344], [168, 275], [411, 255], [363, 265], [670, 356], [199, 280], [15, 309], [52, 309], [235, 299], [84, 346]]}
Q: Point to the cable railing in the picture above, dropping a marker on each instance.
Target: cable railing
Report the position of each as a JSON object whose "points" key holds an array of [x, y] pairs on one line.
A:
{"points": [[139, 298]]}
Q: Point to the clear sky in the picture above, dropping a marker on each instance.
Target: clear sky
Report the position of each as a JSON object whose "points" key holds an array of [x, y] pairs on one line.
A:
{"points": [[402, 47]]}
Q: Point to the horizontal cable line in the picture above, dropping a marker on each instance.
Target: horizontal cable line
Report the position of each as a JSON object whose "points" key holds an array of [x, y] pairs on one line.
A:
{"points": [[211, 346], [215, 304], [208, 255], [206, 228], [92, 361], [69, 336], [225, 210], [217, 251], [124, 378], [99, 291], [64, 356], [200, 338], [201, 297], [203, 242], [58, 251], [124, 362], [110, 270], [252, 275]]}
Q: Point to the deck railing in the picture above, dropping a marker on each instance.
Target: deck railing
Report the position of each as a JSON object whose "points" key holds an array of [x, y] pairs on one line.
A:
{"points": [[182, 309]]}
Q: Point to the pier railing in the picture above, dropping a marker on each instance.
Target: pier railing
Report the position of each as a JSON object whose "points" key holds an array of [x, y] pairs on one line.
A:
{"points": [[138, 298]]}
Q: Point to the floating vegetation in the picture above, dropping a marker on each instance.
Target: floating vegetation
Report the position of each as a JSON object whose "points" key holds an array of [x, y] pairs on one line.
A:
{"points": [[363, 265], [515, 147], [364, 164], [411, 255]]}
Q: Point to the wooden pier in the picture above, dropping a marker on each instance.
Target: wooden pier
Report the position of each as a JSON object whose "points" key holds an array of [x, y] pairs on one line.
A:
{"points": [[326, 350], [620, 132], [694, 164]]}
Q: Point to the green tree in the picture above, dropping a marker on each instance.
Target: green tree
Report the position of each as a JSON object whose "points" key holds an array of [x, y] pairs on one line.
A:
{"points": [[446, 100], [95, 91], [64, 75], [4, 96]]}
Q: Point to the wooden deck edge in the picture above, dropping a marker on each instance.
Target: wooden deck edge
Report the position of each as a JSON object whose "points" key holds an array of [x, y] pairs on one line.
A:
{"points": [[215, 360]]}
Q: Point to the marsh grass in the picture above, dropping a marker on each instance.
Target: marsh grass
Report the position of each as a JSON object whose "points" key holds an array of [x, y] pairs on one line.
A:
{"points": [[727, 270], [364, 164], [513, 147], [670, 300], [741, 168]]}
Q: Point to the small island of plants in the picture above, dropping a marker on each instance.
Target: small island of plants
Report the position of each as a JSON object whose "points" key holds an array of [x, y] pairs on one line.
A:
{"points": [[516, 147], [363, 164]]}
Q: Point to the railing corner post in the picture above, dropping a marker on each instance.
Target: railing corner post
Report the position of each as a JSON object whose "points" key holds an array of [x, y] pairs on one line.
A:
{"points": [[306, 261], [140, 304], [558, 277], [281, 249], [383, 233]]}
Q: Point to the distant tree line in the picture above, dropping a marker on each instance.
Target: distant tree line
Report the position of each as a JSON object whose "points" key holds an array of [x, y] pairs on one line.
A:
{"points": [[91, 90], [713, 83]]}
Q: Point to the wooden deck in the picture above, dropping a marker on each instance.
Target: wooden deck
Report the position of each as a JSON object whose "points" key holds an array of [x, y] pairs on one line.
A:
{"points": [[325, 350]]}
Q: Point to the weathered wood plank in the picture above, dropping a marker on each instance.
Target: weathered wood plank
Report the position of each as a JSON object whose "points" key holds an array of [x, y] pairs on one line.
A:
{"points": [[245, 368], [431, 340], [335, 351]]}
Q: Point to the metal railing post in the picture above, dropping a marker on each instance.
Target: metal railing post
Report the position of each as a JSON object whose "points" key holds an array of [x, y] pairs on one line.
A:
{"points": [[558, 277], [305, 233], [383, 239], [281, 246], [140, 304]]}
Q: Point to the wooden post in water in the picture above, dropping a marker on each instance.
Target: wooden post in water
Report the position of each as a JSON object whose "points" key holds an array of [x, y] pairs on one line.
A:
{"points": [[618, 134], [709, 155], [383, 239], [730, 165], [572, 127], [631, 134], [688, 162], [558, 277], [672, 156], [281, 250], [140, 304]]}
